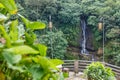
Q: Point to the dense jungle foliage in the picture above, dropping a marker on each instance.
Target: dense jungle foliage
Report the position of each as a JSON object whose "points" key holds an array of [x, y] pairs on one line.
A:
{"points": [[66, 17]]}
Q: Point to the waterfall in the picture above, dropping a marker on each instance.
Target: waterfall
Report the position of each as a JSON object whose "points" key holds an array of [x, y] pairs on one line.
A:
{"points": [[83, 26]]}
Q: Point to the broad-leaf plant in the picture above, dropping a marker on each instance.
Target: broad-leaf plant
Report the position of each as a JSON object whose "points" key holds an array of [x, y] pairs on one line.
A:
{"points": [[21, 56], [97, 71]]}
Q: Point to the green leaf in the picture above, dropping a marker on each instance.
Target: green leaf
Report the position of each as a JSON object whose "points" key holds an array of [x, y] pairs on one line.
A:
{"points": [[43, 61], [11, 58], [1, 6], [18, 42], [5, 35], [42, 49], [36, 25], [9, 5], [25, 21], [47, 77], [37, 72], [3, 11], [14, 30], [46, 63], [56, 62], [29, 39], [24, 49], [32, 25]]}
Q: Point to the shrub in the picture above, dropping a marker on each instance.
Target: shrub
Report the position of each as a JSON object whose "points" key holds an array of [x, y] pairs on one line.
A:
{"points": [[56, 43], [97, 71]]}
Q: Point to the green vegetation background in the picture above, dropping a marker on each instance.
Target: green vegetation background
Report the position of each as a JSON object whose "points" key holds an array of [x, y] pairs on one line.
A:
{"points": [[66, 17]]}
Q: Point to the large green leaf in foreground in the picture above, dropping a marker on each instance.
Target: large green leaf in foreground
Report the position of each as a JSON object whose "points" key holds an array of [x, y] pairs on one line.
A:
{"points": [[1, 6], [56, 62], [37, 72], [32, 25], [42, 49], [46, 63], [24, 49], [11, 58], [14, 30], [36, 25], [9, 5]]}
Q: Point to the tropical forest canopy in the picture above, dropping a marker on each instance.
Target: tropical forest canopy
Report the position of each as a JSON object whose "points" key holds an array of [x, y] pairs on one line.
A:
{"points": [[66, 17]]}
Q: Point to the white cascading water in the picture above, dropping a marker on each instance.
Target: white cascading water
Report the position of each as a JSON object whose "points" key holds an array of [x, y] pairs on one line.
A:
{"points": [[83, 51]]}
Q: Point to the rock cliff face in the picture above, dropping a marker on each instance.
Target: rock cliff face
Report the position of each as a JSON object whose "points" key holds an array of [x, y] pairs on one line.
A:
{"points": [[89, 39]]}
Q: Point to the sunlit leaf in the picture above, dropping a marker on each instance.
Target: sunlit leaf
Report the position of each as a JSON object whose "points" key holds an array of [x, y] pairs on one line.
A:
{"points": [[9, 5], [42, 49], [26, 60], [14, 30], [1, 6], [36, 25], [25, 21], [47, 77], [24, 49], [45, 63], [32, 25], [56, 62], [18, 42]]}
